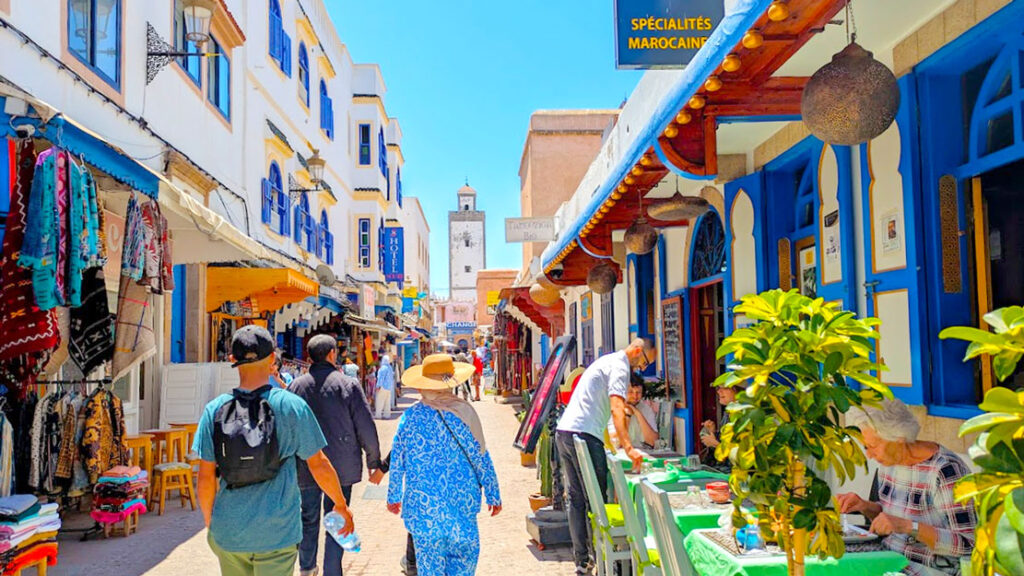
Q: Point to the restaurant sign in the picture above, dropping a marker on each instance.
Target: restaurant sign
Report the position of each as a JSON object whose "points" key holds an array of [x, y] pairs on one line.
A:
{"points": [[663, 33]]}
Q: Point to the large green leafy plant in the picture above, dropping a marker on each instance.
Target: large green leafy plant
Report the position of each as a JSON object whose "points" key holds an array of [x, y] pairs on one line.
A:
{"points": [[998, 490], [796, 361]]}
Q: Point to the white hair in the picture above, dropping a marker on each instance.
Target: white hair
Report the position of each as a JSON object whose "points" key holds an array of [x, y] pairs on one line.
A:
{"points": [[892, 420]]}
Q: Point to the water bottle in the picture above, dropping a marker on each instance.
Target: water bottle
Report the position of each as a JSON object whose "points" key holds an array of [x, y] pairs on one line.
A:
{"points": [[334, 523]]}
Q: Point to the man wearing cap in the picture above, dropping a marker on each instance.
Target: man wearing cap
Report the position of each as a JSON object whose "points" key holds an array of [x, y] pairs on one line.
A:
{"points": [[339, 405], [601, 394], [255, 529]]}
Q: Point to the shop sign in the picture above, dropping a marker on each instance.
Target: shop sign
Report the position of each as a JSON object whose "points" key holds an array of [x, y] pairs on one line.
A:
{"points": [[410, 292], [493, 299], [408, 305], [529, 229], [586, 306], [663, 33], [394, 255]]}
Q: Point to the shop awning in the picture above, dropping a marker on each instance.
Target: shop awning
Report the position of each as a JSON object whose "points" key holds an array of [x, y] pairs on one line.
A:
{"points": [[549, 319], [78, 139], [691, 149], [269, 288]]}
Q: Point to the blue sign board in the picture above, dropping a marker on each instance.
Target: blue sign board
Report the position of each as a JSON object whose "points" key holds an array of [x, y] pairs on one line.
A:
{"points": [[394, 255], [663, 33], [408, 305]]}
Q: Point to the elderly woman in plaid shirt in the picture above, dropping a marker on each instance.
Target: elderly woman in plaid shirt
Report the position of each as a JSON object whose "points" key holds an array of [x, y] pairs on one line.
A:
{"points": [[915, 509]]}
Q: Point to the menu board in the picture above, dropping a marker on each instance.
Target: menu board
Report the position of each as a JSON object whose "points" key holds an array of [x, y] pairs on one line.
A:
{"points": [[545, 395], [672, 339]]}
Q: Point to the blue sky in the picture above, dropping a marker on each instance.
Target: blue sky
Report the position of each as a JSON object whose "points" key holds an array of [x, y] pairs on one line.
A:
{"points": [[463, 77]]}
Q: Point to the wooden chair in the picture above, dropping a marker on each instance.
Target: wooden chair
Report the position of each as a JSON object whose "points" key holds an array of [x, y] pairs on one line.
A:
{"points": [[610, 543], [40, 565], [127, 527], [175, 474], [644, 562], [667, 536]]}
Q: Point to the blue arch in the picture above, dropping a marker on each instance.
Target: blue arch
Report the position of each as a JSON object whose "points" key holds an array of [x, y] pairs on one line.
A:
{"points": [[699, 228], [1000, 100], [304, 72], [275, 176]]}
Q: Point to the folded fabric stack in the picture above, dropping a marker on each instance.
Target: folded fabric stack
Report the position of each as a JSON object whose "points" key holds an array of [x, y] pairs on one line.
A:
{"points": [[120, 492], [28, 532]]}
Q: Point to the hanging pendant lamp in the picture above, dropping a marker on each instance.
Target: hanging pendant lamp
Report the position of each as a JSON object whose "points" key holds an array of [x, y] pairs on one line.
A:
{"points": [[544, 296], [852, 99], [678, 207], [640, 237], [602, 278]]}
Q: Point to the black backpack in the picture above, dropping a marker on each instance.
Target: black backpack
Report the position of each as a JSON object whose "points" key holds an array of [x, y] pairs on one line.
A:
{"points": [[245, 439]]}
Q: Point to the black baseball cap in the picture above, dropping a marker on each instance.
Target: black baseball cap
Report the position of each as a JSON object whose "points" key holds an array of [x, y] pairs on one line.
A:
{"points": [[251, 344]]}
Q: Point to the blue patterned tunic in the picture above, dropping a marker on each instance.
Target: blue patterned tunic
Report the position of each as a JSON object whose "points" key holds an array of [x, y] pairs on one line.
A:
{"points": [[439, 491]]}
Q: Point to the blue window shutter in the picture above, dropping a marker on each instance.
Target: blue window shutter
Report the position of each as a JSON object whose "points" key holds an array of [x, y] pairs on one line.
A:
{"points": [[286, 54], [268, 201], [311, 233], [275, 36], [328, 248], [297, 228]]}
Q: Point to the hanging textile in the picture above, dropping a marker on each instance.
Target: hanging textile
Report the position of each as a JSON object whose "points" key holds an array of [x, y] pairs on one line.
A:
{"points": [[146, 256], [70, 466], [6, 457], [22, 415], [92, 326], [60, 354], [30, 334], [45, 441], [135, 340], [103, 441]]}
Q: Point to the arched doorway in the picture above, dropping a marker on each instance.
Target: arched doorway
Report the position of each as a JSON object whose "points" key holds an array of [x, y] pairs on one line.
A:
{"points": [[707, 316]]}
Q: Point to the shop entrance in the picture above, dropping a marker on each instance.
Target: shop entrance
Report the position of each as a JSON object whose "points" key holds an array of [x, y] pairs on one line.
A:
{"points": [[996, 217], [708, 333]]}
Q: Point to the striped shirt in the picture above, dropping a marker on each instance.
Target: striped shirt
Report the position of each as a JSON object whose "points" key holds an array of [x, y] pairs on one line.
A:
{"points": [[924, 492]]}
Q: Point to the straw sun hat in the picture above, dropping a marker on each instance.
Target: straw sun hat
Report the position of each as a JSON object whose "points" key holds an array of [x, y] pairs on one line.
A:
{"points": [[438, 372]]}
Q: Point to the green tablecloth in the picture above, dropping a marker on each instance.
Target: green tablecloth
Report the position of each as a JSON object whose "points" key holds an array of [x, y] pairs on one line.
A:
{"points": [[690, 519], [669, 482], [709, 559]]}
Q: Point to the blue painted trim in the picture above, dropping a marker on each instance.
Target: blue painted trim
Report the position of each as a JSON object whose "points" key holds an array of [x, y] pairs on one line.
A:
{"points": [[662, 270], [753, 186], [674, 293], [688, 369], [675, 170], [114, 82], [959, 412], [725, 37], [179, 314], [95, 150], [709, 281]]}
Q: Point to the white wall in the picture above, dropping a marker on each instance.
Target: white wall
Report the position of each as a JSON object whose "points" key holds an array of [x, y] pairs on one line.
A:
{"points": [[463, 284]]}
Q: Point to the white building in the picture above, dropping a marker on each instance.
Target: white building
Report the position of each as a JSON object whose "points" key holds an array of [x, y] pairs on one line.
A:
{"points": [[224, 142], [466, 246], [417, 245]]}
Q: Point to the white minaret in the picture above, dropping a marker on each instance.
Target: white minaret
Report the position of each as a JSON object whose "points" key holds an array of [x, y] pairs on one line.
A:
{"points": [[466, 246]]}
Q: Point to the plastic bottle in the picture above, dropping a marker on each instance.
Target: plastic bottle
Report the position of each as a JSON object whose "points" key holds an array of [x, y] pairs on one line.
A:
{"points": [[334, 523]]}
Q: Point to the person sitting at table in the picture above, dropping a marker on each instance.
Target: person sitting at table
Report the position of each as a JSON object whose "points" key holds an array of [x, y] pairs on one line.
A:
{"points": [[915, 509], [709, 434], [642, 421]]}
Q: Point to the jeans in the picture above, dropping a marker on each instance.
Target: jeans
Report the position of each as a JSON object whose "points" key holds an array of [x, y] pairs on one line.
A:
{"points": [[311, 500], [579, 526]]}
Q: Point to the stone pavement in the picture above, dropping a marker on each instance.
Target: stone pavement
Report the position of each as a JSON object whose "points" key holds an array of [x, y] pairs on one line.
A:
{"points": [[175, 544]]}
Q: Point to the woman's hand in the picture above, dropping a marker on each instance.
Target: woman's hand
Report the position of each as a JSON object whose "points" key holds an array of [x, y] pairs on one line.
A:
{"points": [[395, 508], [376, 476], [495, 510], [884, 525]]}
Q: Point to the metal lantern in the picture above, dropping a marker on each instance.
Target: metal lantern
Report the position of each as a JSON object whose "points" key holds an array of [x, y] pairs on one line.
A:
{"points": [[640, 237], [602, 278], [198, 15], [850, 100], [544, 296], [678, 207]]}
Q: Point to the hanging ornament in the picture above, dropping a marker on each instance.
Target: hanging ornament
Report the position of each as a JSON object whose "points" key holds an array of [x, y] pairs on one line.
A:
{"points": [[852, 99], [544, 296], [602, 278], [640, 237], [678, 207]]}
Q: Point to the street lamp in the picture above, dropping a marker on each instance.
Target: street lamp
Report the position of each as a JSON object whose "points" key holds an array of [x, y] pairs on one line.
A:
{"points": [[315, 165], [197, 16]]}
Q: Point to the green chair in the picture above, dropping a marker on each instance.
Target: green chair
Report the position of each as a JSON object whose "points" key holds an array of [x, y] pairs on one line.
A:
{"points": [[646, 561], [667, 536], [606, 521]]}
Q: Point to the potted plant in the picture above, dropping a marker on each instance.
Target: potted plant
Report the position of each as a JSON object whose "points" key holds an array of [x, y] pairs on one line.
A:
{"points": [[541, 499], [998, 490], [796, 362]]}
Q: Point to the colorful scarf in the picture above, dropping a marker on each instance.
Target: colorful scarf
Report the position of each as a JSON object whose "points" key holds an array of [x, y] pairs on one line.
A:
{"points": [[30, 334], [92, 326]]}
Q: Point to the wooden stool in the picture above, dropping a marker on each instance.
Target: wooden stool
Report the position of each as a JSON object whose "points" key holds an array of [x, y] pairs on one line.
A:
{"points": [[162, 444], [170, 476], [140, 453], [127, 527], [191, 458]]}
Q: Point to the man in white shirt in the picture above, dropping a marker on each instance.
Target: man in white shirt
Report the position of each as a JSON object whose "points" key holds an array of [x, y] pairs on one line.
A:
{"points": [[600, 395], [642, 420]]}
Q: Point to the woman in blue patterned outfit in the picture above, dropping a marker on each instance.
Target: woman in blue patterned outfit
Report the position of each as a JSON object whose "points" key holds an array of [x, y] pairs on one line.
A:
{"points": [[439, 465]]}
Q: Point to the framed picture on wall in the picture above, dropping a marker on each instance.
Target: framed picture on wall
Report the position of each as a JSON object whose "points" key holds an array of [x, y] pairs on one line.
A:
{"points": [[807, 267]]}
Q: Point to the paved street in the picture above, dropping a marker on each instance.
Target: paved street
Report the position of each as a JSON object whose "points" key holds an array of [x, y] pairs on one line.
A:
{"points": [[175, 544]]}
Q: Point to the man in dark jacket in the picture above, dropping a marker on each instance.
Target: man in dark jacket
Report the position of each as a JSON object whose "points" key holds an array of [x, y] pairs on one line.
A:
{"points": [[341, 409]]}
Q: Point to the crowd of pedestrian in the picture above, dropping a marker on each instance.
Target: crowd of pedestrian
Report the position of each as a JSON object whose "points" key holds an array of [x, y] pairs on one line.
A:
{"points": [[282, 450]]}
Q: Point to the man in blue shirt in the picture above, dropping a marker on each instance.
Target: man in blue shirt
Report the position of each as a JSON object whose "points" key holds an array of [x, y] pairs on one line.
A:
{"points": [[255, 529]]}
